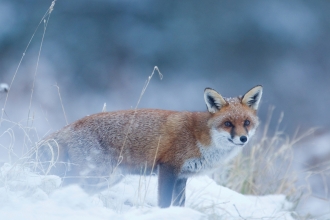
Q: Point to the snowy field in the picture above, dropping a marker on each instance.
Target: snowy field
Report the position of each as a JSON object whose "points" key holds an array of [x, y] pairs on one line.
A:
{"points": [[25, 195]]}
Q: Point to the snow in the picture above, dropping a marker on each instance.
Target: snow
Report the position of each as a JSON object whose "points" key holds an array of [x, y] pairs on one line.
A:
{"points": [[312, 163], [26, 195]]}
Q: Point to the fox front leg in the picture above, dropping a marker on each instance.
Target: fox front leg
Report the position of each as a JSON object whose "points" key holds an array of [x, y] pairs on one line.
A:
{"points": [[179, 192], [166, 182]]}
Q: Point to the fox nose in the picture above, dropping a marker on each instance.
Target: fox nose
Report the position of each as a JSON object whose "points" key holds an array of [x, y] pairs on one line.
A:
{"points": [[243, 139]]}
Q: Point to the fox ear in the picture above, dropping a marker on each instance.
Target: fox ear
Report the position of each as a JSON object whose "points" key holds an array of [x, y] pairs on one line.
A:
{"points": [[213, 100], [252, 97]]}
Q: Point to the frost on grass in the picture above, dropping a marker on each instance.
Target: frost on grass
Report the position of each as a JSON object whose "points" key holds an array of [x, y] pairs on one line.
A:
{"points": [[18, 181], [4, 87], [135, 197]]}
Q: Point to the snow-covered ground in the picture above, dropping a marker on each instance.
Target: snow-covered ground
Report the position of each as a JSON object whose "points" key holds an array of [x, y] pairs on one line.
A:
{"points": [[313, 165], [25, 195]]}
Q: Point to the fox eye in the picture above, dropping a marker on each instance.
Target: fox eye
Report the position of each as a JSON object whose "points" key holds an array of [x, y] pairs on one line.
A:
{"points": [[228, 124], [246, 123]]}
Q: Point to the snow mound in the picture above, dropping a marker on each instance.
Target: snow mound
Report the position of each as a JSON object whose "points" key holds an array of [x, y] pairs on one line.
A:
{"points": [[26, 195]]}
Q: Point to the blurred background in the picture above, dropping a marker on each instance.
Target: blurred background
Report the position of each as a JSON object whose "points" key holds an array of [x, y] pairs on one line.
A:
{"points": [[103, 51]]}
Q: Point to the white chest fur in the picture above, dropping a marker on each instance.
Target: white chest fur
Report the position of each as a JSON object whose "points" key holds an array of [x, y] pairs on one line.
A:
{"points": [[212, 157]]}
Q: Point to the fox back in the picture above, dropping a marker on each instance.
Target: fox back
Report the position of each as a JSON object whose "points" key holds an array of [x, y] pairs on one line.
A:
{"points": [[97, 150]]}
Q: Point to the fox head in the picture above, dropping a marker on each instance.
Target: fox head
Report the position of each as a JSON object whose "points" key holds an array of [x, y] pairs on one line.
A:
{"points": [[233, 120]]}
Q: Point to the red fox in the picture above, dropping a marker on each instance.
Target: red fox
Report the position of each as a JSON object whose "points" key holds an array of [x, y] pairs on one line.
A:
{"points": [[97, 150]]}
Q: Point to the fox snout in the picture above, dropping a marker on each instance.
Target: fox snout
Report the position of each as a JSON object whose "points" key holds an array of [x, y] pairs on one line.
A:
{"points": [[243, 139], [239, 140]]}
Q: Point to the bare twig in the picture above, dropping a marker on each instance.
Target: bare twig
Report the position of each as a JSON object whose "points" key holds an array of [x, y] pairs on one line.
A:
{"points": [[120, 158], [239, 214], [45, 21], [59, 94]]}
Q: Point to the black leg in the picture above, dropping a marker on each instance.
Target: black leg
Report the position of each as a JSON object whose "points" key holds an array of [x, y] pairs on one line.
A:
{"points": [[179, 193], [166, 181]]}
